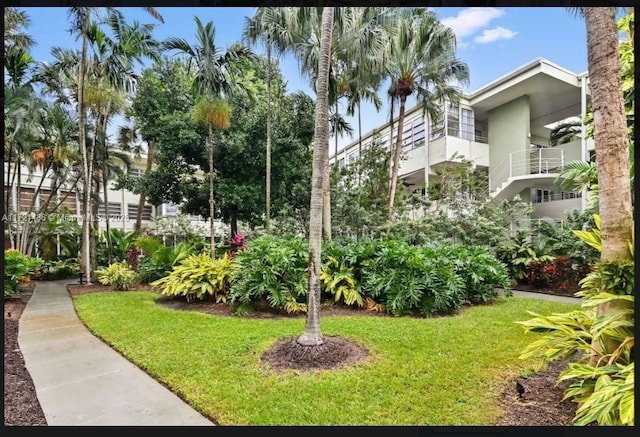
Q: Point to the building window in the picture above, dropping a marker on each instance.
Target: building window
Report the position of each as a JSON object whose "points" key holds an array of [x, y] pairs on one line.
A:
{"points": [[453, 120], [467, 130], [540, 196], [353, 157], [135, 173], [114, 209], [437, 127], [132, 211], [340, 163]]}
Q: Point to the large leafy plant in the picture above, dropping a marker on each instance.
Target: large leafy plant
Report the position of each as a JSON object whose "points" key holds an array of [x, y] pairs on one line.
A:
{"points": [[600, 377], [198, 277], [272, 269], [18, 267], [118, 275]]}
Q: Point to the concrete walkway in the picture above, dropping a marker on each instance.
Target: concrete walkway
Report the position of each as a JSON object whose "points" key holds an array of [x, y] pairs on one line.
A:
{"points": [[80, 381], [543, 296]]}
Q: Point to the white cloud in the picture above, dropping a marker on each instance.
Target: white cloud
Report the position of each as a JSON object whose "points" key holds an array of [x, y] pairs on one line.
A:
{"points": [[495, 34], [471, 20]]}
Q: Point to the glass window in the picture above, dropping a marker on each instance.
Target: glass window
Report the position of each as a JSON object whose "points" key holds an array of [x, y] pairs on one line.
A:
{"points": [[467, 126], [437, 127], [453, 120], [353, 157]]}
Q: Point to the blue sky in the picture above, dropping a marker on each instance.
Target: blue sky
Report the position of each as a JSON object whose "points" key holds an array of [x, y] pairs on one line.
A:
{"points": [[492, 41]]}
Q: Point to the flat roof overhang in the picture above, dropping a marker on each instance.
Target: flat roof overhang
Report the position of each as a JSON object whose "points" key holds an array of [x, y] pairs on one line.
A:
{"points": [[554, 94]]}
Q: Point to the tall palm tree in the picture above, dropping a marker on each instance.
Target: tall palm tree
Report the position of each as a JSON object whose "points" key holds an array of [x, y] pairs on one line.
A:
{"points": [[422, 62], [260, 27], [360, 35], [216, 76], [312, 335], [214, 113], [15, 22], [611, 141], [83, 26]]}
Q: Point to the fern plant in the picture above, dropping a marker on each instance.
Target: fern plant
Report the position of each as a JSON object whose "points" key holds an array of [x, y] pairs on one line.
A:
{"points": [[197, 277], [118, 275]]}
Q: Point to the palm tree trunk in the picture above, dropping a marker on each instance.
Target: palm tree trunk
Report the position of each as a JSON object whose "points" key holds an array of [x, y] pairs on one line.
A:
{"points": [[86, 192], [269, 131], [105, 194], [326, 193], [611, 140], [359, 140], [312, 335], [143, 198], [212, 208], [396, 161]]}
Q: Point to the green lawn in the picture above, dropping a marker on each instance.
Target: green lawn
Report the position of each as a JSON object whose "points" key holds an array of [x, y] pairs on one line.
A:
{"points": [[438, 371]]}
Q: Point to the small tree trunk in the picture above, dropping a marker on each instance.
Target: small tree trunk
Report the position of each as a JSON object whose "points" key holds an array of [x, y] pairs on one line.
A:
{"points": [[268, 157], [396, 161], [212, 207], [143, 198]]}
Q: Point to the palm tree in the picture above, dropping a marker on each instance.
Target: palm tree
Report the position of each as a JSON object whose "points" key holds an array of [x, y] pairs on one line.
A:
{"points": [[84, 27], [361, 36], [15, 20], [215, 78], [611, 142], [312, 336], [214, 113], [260, 28], [422, 62]]}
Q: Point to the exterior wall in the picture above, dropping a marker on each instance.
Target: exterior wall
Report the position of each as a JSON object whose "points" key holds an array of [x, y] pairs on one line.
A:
{"points": [[571, 151], [556, 208], [508, 132], [415, 160]]}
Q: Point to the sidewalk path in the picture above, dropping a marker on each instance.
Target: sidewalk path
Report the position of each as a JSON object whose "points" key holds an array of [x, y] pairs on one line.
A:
{"points": [[80, 381]]}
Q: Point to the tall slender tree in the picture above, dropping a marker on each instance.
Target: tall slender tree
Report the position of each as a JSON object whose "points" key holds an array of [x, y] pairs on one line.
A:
{"points": [[361, 36], [216, 76], [312, 335], [611, 143], [422, 62]]}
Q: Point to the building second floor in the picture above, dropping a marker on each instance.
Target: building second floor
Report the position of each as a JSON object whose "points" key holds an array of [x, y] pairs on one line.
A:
{"points": [[505, 127]]}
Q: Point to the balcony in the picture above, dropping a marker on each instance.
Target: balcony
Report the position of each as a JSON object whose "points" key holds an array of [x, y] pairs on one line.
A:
{"points": [[521, 169]]}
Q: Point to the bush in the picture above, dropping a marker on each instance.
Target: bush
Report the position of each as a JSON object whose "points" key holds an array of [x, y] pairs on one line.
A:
{"points": [[197, 277], [119, 275], [407, 278], [18, 267], [272, 269], [480, 270]]}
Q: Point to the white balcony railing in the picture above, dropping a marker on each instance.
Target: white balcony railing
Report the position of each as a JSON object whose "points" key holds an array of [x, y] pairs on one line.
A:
{"points": [[525, 162]]}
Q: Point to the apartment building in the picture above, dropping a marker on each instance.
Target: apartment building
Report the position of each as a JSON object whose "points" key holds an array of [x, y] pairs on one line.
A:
{"points": [[505, 127], [120, 207]]}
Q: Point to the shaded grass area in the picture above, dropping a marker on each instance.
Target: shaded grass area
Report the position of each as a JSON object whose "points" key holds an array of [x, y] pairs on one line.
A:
{"points": [[437, 371]]}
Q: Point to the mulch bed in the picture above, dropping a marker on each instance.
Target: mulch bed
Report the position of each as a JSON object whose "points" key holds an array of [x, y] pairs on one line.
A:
{"points": [[540, 405]]}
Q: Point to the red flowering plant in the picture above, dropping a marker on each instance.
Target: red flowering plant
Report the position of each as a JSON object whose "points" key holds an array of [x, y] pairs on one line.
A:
{"points": [[237, 243]]}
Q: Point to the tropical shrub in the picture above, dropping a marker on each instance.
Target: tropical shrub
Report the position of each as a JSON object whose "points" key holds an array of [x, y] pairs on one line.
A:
{"points": [[601, 375], [407, 278], [198, 277], [59, 269], [18, 267], [119, 275], [480, 270], [158, 259], [274, 269]]}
